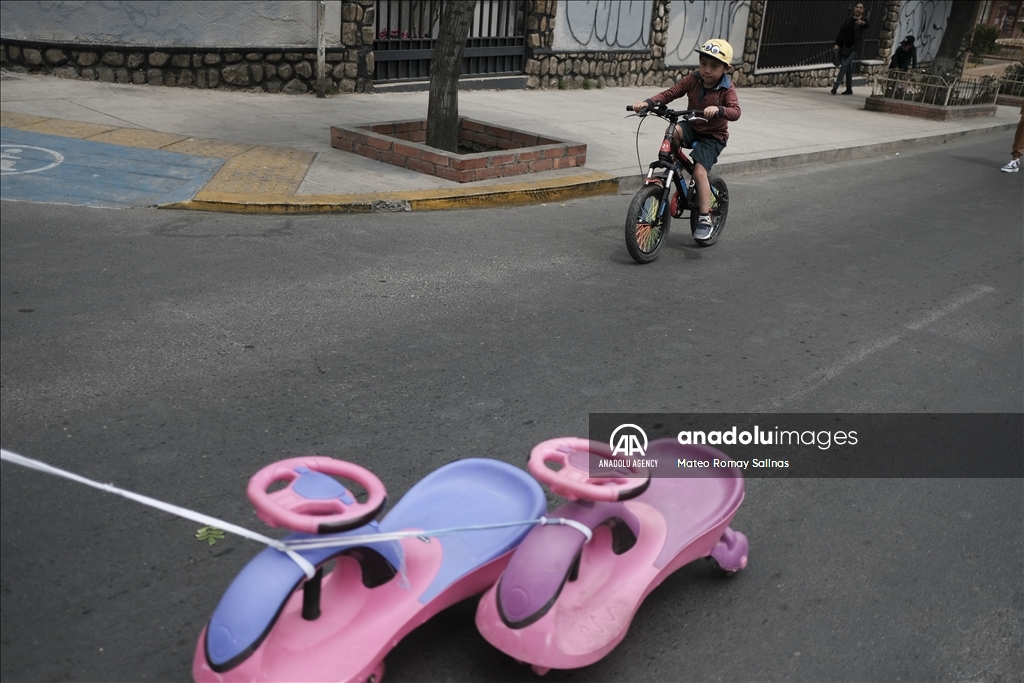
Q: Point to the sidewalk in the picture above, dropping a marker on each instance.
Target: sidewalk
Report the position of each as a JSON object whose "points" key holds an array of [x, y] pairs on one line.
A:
{"points": [[276, 154]]}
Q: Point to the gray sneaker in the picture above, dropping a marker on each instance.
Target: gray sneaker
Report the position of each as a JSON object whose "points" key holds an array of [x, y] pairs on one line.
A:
{"points": [[704, 228], [1011, 167]]}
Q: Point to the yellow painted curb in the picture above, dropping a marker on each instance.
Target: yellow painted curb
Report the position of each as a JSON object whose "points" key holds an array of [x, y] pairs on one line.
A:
{"points": [[69, 129], [12, 119], [205, 147], [262, 170], [589, 184]]}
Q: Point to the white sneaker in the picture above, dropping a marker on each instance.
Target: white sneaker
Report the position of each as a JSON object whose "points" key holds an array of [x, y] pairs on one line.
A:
{"points": [[704, 228], [1011, 167]]}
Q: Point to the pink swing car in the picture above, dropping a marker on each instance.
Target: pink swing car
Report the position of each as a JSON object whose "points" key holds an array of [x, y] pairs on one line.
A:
{"points": [[340, 626], [563, 602]]}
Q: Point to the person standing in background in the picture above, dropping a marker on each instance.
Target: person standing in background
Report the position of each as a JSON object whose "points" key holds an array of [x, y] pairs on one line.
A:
{"points": [[849, 37]]}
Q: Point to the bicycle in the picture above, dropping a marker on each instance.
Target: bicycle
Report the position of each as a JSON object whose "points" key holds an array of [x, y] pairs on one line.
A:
{"points": [[655, 204]]}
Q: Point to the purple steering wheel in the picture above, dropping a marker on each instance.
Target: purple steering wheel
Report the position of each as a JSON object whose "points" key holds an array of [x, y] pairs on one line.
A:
{"points": [[573, 480], [314, 502]]}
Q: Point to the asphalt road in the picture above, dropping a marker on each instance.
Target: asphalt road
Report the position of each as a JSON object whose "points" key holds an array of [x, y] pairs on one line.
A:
{"points": [[174, 354]]}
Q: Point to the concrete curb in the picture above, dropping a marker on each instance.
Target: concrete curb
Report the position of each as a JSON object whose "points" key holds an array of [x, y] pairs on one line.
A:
{"points": [[631, 183]]}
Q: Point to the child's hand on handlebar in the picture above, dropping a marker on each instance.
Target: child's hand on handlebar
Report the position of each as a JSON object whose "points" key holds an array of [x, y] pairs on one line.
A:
{"points": [[640, 106], [711, 112]]}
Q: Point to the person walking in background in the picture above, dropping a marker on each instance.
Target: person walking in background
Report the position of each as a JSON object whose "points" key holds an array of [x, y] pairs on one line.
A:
{"points": [[849, 37], [1018, 146], [905, 56]]}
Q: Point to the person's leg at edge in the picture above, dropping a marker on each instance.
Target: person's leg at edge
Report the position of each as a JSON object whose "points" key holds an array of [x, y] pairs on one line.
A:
{"points": [[848, 66], [703, 187], [1018, 147], [1018, 139], [839, 77], [683, 135]]}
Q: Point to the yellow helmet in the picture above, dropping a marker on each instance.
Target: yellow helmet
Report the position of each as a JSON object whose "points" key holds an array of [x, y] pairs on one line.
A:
{"points": [[718, 49]]}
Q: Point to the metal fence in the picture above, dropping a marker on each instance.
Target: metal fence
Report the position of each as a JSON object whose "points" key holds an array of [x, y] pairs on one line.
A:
{"points": [[801, 33], [923, 88], [1012, 84], [406, 33]]}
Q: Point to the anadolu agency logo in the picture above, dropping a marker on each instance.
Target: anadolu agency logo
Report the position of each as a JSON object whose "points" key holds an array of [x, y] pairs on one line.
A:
{"points": [[631, 442], [629, 448]]}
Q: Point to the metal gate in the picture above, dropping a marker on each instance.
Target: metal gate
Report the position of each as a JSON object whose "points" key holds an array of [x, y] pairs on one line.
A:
{"points": [[406, 33], [800, 33]]}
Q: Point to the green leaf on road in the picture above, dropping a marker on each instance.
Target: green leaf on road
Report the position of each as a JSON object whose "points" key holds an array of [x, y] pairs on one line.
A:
{"points": [[209, 534]]}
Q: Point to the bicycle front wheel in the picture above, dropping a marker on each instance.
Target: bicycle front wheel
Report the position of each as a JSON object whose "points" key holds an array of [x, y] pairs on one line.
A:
{"points": [[646, 226]]}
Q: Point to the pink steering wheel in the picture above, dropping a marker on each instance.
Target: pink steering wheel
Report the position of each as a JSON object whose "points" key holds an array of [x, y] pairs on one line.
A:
{"points": [[313, 502], [573, 480]]}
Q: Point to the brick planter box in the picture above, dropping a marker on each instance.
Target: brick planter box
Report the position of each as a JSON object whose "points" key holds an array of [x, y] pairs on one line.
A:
{"points": [[928, 111], [1010, 101], [402, 143]]}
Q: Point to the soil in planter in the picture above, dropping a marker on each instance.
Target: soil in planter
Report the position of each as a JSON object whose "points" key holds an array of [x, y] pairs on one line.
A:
{"points": [[470, 147]]}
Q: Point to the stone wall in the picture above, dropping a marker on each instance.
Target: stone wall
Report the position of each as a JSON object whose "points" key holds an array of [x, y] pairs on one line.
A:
{"points": [[547, 68], [273, 72], [349, 68]]}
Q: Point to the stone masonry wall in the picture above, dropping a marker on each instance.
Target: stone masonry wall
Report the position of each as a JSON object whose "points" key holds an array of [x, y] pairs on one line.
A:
{"points": [[547, 68], [349, 69]]}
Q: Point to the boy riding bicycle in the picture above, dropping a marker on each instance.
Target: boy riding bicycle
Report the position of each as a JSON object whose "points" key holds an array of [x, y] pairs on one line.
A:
{"points": [[710, 90]]}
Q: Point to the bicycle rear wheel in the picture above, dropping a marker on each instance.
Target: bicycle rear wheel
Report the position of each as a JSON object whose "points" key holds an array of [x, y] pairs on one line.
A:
{"points": [[719, 211], [646, 226]]}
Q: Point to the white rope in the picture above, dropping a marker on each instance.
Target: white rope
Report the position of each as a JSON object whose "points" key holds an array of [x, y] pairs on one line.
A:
{"points": [[308, 568], [582, 528], [425, 536], [287, 547]]}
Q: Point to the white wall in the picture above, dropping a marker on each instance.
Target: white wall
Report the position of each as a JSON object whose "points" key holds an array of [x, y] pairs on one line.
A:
{"points": [[603, 25], [163, 23], [692, 22], [926, 21]]}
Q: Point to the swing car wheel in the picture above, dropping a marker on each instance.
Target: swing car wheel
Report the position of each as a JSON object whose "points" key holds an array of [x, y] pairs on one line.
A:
{"points": [[645, 231], [719, 211], [377, 675]]}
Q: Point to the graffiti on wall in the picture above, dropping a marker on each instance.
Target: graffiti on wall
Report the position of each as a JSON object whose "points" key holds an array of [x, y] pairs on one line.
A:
{"points": [[170, 23], [691, 22], [603, 25], [926, 21]]}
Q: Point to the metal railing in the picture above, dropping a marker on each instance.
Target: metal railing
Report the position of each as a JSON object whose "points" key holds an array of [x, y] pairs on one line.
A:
{"points": [[923, 88], [1012, 84], [801, 33], [406, 33]]}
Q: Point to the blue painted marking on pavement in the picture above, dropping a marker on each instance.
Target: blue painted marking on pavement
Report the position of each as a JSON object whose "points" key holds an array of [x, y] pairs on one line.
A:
{"points": [[55, 170]]}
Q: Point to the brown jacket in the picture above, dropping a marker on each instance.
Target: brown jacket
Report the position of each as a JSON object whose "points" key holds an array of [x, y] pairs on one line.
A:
{"points": [[723, 96]]}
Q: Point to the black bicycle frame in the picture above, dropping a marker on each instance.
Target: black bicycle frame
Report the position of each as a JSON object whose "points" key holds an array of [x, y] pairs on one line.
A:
{"points": [[674, 161]]}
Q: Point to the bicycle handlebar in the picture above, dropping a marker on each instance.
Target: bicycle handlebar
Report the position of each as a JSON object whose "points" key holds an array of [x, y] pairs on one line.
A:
{"points": [[664, 112]]}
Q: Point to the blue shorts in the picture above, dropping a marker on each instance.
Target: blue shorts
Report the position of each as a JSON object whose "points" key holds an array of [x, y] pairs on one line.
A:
{"points": [[707, 148]]}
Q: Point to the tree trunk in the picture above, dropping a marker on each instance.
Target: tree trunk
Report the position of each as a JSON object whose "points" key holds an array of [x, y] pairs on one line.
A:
{"points": [[956, 39], [443, 105]]}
